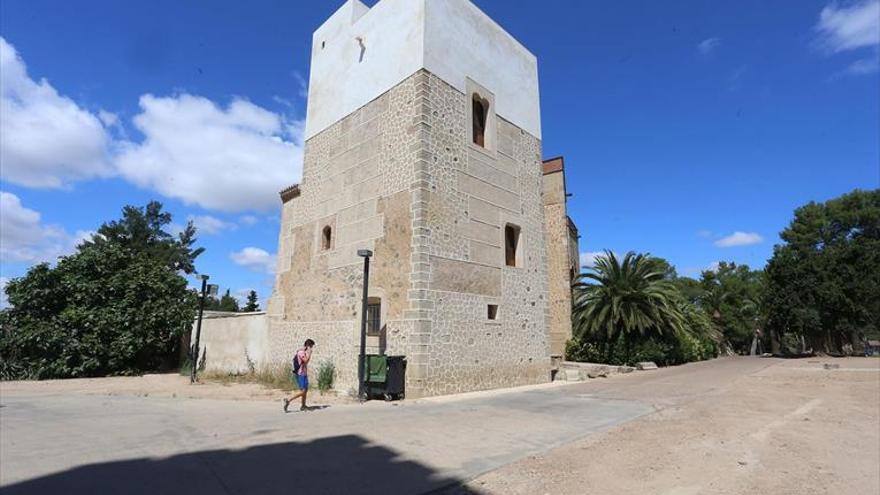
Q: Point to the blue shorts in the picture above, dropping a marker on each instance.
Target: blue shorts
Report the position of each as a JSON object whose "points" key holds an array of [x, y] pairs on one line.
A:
{"points": [[303, 381]]}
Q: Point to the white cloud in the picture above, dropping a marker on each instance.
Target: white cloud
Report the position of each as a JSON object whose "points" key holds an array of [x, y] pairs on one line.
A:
{"points": [[303, 85], [588, 259], [231, 159], [248, 220], [4, 300], [48, 140], [24, 238], [107, 118], [850, 27], [739, 239], [867, 65], [208, 225], [707, 46], [256, 259]]}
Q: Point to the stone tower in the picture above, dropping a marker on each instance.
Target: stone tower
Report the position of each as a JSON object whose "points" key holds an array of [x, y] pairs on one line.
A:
{"points": [[423, 144]]}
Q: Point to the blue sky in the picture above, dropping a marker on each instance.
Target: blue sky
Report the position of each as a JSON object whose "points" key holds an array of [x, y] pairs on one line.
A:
{"points": [[690, 129]]}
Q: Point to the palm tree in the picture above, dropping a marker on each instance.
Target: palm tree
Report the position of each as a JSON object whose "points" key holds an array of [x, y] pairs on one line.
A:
{"points": [[625, 300]]}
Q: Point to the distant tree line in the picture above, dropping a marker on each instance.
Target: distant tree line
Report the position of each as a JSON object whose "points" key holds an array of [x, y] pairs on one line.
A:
{"points": [[823, 282], [819, 292], [230, 304]]}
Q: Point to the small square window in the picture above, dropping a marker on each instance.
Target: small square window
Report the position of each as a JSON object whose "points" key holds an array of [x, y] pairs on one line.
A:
{"points": [[493, 312]]}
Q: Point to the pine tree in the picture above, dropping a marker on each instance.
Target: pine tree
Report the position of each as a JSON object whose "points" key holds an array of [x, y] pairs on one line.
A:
{"points": [[252, 304], [228, 303]]}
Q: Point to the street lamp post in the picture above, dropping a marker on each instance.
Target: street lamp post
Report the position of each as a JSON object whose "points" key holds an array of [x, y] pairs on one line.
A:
{"points": [[362, 389], [195, 348]]}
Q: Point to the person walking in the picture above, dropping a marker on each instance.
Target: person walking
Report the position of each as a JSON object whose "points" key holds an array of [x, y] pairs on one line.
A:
{"points": [[301, 371]]}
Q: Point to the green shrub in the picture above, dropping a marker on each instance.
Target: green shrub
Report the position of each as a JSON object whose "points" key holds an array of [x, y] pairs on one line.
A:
{"points": [[791, 344], [186, 367], [584, 351], [326, 376], [656, 350], [117, 306], [663, 350]]}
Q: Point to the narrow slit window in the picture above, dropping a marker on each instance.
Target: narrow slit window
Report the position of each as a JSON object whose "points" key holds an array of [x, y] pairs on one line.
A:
{"points": [[480, 108], [493, 311], [327, 238], [374, 316], [511, 245]]}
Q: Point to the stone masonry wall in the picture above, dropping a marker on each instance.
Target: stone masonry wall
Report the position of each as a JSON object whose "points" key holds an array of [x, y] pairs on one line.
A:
{"points": [[559, 268], [401, 177], [357, 177], [469, 194]]}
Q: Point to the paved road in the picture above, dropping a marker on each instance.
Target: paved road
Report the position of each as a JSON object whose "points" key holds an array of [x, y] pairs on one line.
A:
{"points": [[93, 444]]}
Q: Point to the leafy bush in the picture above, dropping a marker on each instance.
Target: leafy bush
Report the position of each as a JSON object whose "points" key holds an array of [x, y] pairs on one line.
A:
{"points": [[118, 306], [680, 348], [326, 376], [791, 344]]}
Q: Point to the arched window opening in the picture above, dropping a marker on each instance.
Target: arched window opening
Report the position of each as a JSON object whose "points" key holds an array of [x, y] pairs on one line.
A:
{"points": [[327, 238], [480, 108]]}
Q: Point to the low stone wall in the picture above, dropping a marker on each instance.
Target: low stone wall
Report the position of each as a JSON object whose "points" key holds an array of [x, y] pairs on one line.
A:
{"points": [[232, 342], [573, 371]]}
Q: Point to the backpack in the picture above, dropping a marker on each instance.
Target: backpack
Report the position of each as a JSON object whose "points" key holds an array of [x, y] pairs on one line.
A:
{"points": [[296, 363]]}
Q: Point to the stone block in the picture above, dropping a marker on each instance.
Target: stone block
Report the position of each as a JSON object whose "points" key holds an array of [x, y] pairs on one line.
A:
{"points": [[482, 211], [361, 172], [483, 170], [346, 254], [485, 233], [358, 212], [487, 192], [358, 193], [462, 276], [646, 365], [486, 254], [364, 132], [368, 228]]}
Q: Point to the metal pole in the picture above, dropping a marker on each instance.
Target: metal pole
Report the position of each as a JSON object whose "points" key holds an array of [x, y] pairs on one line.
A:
{"points": [[195, 348], [362, 392]]}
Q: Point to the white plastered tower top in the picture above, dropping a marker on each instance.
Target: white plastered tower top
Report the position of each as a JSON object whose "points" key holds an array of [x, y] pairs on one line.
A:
{"points": [[359, 53]]}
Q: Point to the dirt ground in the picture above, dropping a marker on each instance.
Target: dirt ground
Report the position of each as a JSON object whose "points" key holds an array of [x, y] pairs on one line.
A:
{"points": [[728, 426], [793, 427], [170, 385]]}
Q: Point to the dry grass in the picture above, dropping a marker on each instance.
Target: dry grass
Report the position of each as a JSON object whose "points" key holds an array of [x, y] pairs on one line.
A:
{"points": [[277, 376]]}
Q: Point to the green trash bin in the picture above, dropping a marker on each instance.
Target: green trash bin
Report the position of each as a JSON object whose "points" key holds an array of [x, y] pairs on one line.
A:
{"points": [[376, 369], [384, 376]]}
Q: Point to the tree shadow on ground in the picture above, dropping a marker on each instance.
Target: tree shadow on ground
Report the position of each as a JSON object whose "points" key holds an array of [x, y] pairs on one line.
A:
{"points": [[347, 464]]}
